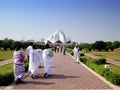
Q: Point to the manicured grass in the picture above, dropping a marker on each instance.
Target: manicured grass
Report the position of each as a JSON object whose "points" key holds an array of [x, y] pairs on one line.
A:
{"points": [[115, 68], [6, 68], [110, 55], [5, 55]]}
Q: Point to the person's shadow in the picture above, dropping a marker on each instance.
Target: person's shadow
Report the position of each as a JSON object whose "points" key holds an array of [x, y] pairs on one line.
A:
{"points": [[57, 76], [38, 82], [53, 76]]}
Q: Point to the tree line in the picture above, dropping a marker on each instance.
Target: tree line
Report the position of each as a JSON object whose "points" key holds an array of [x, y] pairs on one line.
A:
{"points": [[9, 44], [99, 46]]}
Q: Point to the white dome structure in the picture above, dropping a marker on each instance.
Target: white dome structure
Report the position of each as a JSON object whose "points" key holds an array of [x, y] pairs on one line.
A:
{"points": [[58, 37]]}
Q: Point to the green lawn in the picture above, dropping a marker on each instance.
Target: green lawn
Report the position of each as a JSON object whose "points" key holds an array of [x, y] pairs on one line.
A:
{"points": [[110, 55], [6, 68], [114, 68], [5, 55]]}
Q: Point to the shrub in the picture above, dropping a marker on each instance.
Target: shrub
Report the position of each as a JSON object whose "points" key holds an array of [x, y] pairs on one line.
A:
{"points": [[100, 61], [81, 54], [112, 77], [26, 66], [72, 53], [6, 78], [83, 60], [53, 49]]}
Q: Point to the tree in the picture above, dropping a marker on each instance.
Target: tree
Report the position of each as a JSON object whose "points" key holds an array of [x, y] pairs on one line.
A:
{"points": [[86, 46], [99, 45], [116, 44], [108, 46]]}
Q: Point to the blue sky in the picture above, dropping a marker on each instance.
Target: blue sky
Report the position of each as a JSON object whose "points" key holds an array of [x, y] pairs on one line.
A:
{"points": [[82, 20]]}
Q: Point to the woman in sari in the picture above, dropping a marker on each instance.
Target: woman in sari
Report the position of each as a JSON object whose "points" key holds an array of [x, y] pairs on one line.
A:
{"points": [[35, 61], [47, 58], [18, 59]]}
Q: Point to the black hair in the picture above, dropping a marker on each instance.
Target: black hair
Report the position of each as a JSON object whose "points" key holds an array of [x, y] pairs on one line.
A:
{"points": [[31, 43], [18, 47], [47, 46], [34, 47]]}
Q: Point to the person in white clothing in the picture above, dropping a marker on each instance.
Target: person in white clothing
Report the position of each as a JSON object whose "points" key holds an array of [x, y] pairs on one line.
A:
{"points": [[34, 62], [39, 55], [48, 59], [76, 52], [30, 47]]}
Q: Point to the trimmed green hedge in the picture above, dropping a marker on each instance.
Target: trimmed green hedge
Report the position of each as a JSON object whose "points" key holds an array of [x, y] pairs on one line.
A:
{"points": [[99, 69], [6, 78], [100, 61], [83, 60], [110, 76]]}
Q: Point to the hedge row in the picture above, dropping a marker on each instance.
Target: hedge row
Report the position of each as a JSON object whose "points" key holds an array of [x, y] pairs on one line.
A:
{"points": [[99, 61], [8, 78], [110, 76]]}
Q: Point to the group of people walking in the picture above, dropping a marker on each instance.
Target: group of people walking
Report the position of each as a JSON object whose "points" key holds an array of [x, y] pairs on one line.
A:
{"points": [[61, 49], [35, 58]]}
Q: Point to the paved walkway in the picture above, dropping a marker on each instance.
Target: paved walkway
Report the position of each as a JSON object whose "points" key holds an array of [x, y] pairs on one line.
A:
{"points": [[67, 75], [108, 60], [5, 62]]}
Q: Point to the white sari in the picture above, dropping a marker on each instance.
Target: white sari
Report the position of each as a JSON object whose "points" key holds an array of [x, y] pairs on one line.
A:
{"points": [[34, 62], [47, 61], [39, 56]]}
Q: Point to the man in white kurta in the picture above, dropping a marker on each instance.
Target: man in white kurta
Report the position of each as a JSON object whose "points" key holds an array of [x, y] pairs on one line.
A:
{"points": [[34, 62], [76, 52], [48, 58]]}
